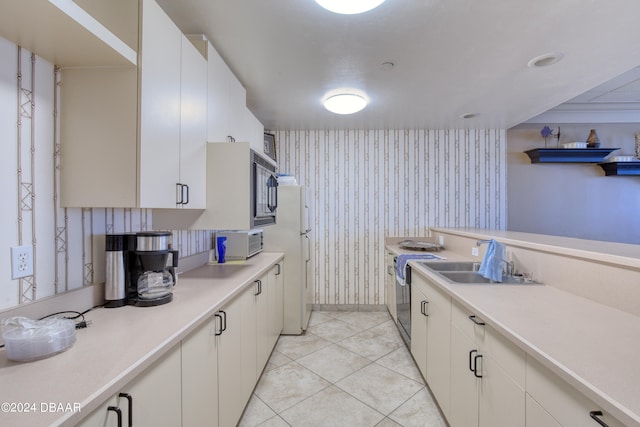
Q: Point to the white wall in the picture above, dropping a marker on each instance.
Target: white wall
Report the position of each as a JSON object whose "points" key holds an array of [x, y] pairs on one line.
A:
{"points": [[68, 243], [575, 200], [368, 185]]}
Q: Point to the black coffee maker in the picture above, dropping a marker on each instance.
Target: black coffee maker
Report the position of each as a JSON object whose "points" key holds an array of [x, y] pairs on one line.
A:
{"points": [[151, 280], [138, 271]]}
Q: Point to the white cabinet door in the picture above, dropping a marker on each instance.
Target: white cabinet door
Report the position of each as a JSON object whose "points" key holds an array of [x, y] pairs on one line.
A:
{"points": [[160, 69], [193, 126], [276, 302], [252, 301], [439, 345], [200, 376], [464, 384], [226, 101], [419, 318], [155, 397], [230, 392], [502, 401]]}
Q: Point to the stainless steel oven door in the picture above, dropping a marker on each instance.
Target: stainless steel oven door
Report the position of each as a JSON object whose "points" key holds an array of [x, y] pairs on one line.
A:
{"points": [[403, 306]]}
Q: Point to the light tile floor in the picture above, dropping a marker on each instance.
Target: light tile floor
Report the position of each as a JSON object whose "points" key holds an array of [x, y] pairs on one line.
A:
{"points": [[349, 369]]}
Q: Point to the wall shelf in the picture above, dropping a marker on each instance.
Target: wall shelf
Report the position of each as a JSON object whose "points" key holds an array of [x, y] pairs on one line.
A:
{"points": [[620, 168], [569, 155]]}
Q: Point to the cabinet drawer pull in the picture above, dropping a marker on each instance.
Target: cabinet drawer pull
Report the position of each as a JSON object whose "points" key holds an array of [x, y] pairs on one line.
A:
{"points": [[475, 320], [475, 366], [423, 307], [596, 416], [130, 399], [118, 414]]}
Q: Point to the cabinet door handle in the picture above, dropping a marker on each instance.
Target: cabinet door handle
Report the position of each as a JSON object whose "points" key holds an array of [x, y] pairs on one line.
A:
{"points": [[130, 399], [596, 416], [475, 365], [259, 286], [178, 193], [423, 307], [224, 313], [471, 353], [223, 323], [279, 268], [218, 331], [118, 414], [185, 201], [475, 320]]}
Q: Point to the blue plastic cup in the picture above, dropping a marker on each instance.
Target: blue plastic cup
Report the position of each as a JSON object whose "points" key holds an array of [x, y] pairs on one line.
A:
{"points": [[221, 244]]}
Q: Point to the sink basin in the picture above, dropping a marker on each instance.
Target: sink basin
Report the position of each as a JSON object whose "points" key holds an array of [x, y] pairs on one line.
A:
{"points": [[452, 265], [474, 278]]}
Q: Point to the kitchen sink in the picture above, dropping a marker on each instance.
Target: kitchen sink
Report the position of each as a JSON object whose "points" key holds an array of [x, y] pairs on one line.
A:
{"points": [[474, 277], [467, 272], [452, 265]]}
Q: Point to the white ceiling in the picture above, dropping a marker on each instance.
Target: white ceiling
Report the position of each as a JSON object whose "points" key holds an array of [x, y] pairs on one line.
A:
{"points": [[451, 57]]}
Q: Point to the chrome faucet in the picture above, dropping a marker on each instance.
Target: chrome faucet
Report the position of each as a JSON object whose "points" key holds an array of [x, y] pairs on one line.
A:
{"points": [[510, 267]]}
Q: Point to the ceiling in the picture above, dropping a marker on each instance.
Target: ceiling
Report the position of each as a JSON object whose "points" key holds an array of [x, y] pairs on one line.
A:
{"points": [[451, 57]]}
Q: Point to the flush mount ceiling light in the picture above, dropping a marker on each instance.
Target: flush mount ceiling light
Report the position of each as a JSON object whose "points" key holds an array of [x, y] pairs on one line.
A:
{"points": [[545, 60], [345, 103], [349, 7]]}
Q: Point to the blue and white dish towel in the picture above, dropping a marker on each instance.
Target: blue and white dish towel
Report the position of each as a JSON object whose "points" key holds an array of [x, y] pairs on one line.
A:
{"points": [[492, 263], [401, 264]]}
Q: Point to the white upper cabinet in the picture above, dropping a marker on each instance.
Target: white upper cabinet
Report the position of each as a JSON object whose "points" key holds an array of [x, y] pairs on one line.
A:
{"points": [[226, 101], [160, 69], [193, 126], [135, 137]]}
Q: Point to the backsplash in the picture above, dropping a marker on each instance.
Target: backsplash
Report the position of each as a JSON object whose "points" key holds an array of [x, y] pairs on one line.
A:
{"points": [[68, 243], [366, 185]]}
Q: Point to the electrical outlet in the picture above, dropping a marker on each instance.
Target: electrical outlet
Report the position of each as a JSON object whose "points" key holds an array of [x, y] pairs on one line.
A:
{"points": [[441, 240], [475, 251], [21, 261]]}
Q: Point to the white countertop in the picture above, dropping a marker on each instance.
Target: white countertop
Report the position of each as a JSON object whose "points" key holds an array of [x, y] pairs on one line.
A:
{"points": [[593, 347], [120, 344]]}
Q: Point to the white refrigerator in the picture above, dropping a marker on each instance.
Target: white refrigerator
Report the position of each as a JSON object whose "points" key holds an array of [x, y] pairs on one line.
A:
{"points": [[290, 235]]}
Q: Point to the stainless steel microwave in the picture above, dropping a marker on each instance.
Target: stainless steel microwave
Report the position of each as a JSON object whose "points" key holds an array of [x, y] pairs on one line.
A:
{"points": [[264, 191], [242, 244]]}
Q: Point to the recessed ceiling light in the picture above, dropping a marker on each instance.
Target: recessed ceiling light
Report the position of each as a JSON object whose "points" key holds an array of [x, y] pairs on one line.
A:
{"points": [[545, 60], [349, 7], [345, 103]]}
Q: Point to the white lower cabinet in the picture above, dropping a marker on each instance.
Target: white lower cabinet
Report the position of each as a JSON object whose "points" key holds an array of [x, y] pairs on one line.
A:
{"points": [[431, 337], [487, 375], [559, 401], [152, 399], [200, 376]]}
